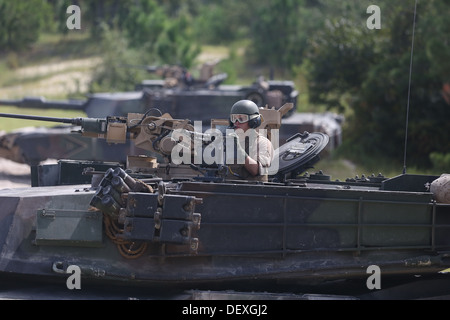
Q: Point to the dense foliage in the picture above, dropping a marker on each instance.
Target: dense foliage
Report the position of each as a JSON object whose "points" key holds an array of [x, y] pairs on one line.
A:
{"points": [[348, 66], [21, 22]]}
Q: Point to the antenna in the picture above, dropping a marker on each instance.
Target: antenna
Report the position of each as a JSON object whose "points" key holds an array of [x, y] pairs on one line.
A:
{"points": [[409, 87]]}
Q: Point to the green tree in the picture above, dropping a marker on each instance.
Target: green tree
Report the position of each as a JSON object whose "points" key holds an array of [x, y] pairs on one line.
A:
{"points": [[144, 24], [21, 22], [148, 36], [175, 44], [367, 71], [168, 40], [222, 22], [114, 73], [279, 31], [98, 13]]}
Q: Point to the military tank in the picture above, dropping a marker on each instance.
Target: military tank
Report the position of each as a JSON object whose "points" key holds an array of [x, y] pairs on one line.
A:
{"points": [[195, 226]]}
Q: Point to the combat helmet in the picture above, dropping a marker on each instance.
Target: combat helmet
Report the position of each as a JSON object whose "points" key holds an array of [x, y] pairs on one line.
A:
{"points": [[246, 107]]}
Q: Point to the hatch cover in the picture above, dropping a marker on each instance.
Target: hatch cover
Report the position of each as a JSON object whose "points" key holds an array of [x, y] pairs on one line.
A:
{"points": [[298, 153]]}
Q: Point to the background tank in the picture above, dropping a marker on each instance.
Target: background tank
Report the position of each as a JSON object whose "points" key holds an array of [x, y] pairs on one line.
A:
{"points": [[200, 100]]}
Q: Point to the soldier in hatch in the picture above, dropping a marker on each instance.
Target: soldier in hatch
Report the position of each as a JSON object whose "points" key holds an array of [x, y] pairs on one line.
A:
{"points": [[253, 151]]}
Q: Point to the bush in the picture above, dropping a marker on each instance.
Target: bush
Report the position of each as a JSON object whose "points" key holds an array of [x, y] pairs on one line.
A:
{"points": [[440, 161], [117, 72], [21, 22]]}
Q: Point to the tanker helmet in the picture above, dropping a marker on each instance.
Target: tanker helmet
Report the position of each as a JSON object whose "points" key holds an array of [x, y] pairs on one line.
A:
{"points": [[243, 111]]}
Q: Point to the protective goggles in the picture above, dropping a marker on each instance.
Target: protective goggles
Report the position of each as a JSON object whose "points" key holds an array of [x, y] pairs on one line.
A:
{"points": [[241, 117]]}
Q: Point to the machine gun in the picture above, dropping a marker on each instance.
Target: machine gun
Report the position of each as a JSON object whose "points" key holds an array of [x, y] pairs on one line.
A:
{"points": [[153, 133], [175, 139], [148, 132]]}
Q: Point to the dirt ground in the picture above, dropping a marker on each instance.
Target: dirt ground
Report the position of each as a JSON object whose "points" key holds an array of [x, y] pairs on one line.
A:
{"points": [[14, 175], [56, 79]]}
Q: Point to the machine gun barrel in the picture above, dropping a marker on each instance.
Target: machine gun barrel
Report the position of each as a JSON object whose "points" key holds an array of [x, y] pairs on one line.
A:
{"points": [[90, 127], [74, 121]]}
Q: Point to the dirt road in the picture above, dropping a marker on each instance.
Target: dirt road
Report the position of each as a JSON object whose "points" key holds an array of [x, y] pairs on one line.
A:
{"points": [[55, 79]]}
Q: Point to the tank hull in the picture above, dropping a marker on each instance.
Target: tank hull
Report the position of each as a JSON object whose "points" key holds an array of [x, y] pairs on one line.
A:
{"points": [[256, 235]]}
